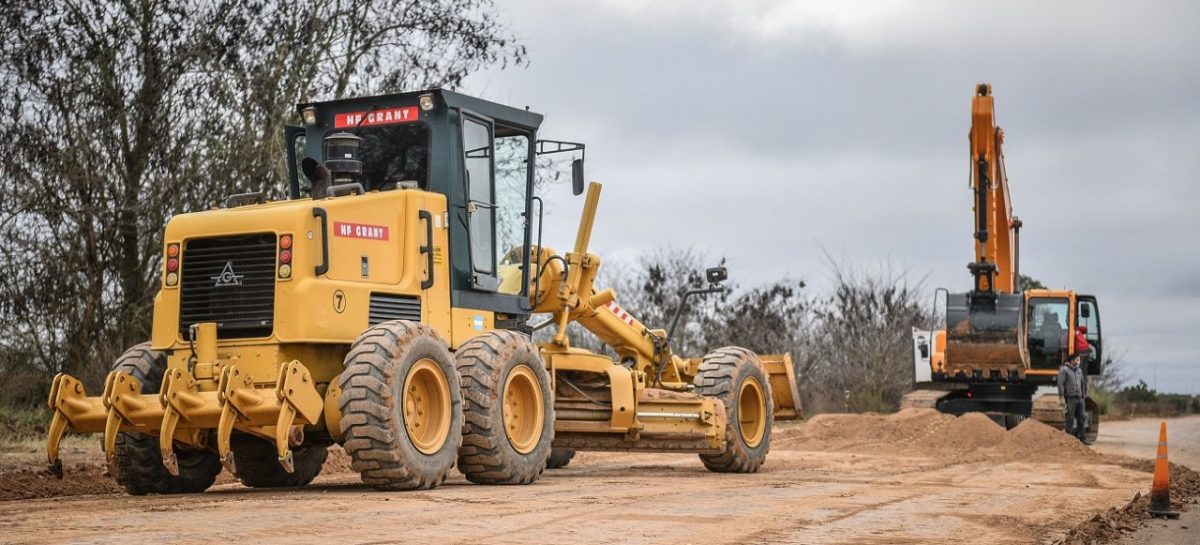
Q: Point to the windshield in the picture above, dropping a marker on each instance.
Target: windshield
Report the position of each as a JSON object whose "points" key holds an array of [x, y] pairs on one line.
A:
{"points": [[392, 154], [1048, 331]]}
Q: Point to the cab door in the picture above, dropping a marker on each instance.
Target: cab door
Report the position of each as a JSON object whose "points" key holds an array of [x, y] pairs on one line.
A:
{"points": [[1088, 314], [479, 174]]}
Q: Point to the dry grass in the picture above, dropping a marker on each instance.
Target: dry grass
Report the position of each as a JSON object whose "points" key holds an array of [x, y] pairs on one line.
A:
{"points": [[23, 440]]}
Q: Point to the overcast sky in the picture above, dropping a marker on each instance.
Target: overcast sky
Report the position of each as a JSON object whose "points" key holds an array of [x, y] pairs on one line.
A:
{"points": [[770, 132]]}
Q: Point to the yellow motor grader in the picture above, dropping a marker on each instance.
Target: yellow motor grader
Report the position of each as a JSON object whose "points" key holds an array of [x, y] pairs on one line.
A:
{"points": [[386, 306]]}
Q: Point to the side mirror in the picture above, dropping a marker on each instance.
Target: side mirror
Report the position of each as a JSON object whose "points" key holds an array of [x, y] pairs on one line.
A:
{"points": [[577, 176], [1085, 310], [716, 275], [924, 348]]}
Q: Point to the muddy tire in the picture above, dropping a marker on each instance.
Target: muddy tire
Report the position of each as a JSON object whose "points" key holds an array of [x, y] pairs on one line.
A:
{"points": [[137, 464], [560, 458], [736, 377], [401, 407], [258, 463], [509, 411]]}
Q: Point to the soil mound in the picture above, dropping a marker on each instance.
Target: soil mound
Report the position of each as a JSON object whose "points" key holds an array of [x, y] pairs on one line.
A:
{"points": [[1108, 526], [1033, 440], [927, 432], [78, 479], [90, 478]]}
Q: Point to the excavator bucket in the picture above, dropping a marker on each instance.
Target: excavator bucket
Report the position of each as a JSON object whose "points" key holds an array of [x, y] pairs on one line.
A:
{"points": [[984, 340]]}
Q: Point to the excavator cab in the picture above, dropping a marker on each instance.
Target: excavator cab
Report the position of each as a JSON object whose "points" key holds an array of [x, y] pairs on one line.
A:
{"points": [[1049, 321], [1052, 320]]}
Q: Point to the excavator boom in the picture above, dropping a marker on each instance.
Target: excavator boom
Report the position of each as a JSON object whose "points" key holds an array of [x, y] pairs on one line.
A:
{"points": [[995, 266]]}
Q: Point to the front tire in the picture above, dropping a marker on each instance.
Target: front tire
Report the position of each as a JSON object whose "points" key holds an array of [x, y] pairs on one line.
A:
{"points": [[560, 458], [509, 409], [735, 376], [401, 407], [258, 463], [137, 464]]}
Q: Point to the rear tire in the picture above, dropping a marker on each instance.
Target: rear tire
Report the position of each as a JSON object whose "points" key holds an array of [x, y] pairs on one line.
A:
{"points": [[1012, 420], [509, 411], [560, 458], [401, 407], [735, 376], [258, 463], [137, 463]]}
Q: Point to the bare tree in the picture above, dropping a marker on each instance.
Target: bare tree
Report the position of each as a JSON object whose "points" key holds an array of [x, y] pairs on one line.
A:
{"points": [[1115, 374], [123, 114], [864, 337]]}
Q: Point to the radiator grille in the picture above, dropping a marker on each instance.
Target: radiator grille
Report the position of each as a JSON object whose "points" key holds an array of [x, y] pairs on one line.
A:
{"points": [[230, 281], [386, 307]]}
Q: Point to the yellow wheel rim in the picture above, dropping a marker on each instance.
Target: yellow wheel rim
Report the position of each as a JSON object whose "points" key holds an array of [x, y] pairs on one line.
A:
{"points": [[426, 402], [752, 422], [522, 409]]}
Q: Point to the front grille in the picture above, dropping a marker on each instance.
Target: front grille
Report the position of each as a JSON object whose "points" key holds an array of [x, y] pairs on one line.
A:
{"points": [[230, 281], [387, 306]]}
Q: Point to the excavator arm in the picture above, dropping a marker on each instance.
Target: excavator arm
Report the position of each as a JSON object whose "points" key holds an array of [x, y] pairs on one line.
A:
{"points": [[996, 229]]}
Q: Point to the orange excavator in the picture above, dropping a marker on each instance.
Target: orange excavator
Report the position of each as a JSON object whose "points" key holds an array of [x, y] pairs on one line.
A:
{"points": [[1001, 346]]}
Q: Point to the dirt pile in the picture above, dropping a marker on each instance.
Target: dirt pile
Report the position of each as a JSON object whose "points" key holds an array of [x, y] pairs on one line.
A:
{"points": [[78, 479], [90, 478], [1035, 441], [1109, 525], [927, 432], [337, 462]]}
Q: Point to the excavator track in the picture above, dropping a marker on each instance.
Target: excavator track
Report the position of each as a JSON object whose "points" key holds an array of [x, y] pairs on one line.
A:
{"points": [[1049, 410]]}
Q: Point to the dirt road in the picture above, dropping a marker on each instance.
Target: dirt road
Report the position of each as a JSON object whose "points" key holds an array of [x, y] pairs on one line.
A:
{"points": [[909, 478], [1139, 438]]}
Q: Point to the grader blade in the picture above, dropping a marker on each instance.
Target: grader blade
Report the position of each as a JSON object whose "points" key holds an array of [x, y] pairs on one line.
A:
{"points": [[785, 395]]}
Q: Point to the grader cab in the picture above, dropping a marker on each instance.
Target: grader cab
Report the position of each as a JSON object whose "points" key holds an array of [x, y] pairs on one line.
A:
{"points": [[385, 306]]}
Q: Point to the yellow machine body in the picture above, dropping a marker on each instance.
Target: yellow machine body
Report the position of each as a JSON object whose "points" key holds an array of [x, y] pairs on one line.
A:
{"points": [[343, 263]]}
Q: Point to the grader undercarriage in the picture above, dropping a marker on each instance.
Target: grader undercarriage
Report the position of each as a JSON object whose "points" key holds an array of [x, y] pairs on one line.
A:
{"points": [[373, 309]]}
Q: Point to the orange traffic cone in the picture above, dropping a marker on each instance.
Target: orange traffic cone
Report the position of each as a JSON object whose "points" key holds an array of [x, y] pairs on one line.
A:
{"points": [[1160, 491]]}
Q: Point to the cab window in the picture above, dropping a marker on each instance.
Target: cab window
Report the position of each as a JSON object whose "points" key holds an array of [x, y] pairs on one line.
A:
{"points": [[477, 163], [394, 154], [512, 192], [1048, 323]]}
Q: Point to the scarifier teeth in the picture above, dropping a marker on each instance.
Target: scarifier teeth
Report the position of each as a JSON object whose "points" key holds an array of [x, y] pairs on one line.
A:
{"points": [[172, 464], [56, 468], [286, 462], [229, 464]]}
